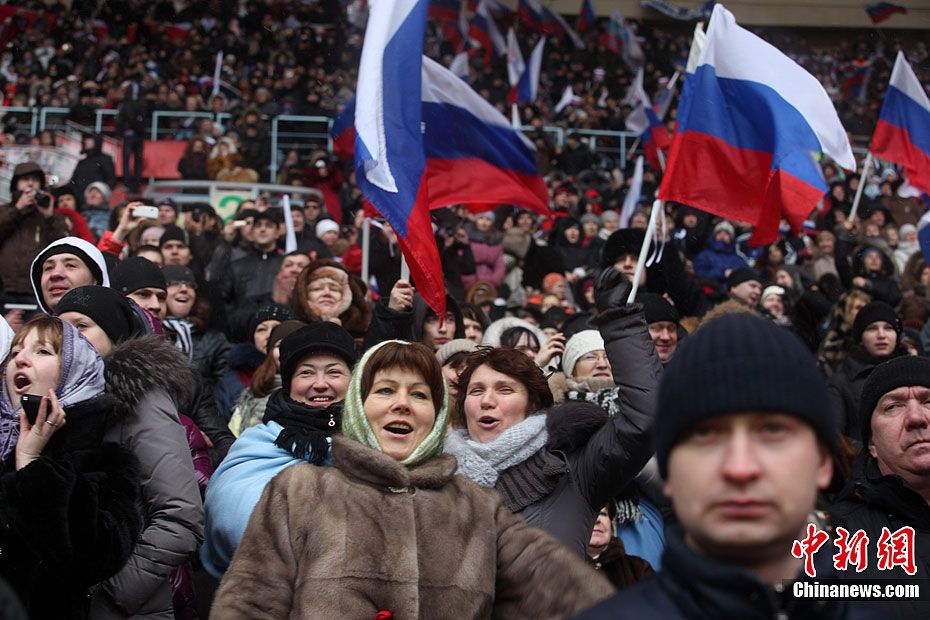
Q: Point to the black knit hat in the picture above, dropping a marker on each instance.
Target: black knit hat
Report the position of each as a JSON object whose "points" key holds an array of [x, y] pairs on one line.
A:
{"points": [[322, 337], [736, 363], [273, 214], [656, 308], [745, 274], [179, 273], [873, 312], [107, 308], [271, 312], [174, 233], [904, 371], [168, 202], [137, 272], [621, 243]]}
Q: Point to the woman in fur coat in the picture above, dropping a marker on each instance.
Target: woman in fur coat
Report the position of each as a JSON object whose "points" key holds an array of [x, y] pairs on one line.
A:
{"points": [[69, 502], [148, 377], [391, 528], [558, 466]]}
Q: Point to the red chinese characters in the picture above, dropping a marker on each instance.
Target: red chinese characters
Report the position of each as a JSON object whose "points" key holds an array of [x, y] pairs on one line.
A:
{"points": [[897, 549], [808, 546], [852, 550]]}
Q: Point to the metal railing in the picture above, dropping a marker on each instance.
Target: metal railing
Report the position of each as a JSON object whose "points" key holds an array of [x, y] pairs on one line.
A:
{"points": [[305, 133]]}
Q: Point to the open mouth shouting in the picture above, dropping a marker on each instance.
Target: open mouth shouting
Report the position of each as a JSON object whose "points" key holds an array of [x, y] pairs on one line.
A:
{"points": [[398, 429], [21, 383]]}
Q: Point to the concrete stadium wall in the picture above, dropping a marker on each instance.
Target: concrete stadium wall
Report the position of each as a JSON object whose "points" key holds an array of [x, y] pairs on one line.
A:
{"points": [[812, 13]]}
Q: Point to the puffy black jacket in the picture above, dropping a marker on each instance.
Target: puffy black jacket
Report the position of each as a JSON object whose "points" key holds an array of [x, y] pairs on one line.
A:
{"points": [[871, 501], [250, 277], [692, 586], [845, 388]]}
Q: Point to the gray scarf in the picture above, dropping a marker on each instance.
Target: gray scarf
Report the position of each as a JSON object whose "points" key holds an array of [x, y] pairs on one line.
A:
{"points": [[482, 463]]}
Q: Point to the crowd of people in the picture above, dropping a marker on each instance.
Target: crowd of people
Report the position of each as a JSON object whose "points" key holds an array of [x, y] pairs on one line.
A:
{"points": [[194, 421]]}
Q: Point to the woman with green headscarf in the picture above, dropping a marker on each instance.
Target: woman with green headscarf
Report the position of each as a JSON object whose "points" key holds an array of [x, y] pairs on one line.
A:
{"points": [[391, 528]]}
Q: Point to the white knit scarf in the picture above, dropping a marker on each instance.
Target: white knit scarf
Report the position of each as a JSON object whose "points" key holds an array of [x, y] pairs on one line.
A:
{"points": [[482, 463]]}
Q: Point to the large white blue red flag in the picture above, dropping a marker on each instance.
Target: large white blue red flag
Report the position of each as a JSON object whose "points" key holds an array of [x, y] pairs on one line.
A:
{"points": [[390, 164], [902, 134], [744, 148]]}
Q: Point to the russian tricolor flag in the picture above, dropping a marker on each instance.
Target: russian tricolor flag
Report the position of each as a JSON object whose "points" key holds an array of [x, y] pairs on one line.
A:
{"points": [[526, 79], [390, 165], [902, 134], [880, 11], [586, 16], [485, 32], [744, 149]]}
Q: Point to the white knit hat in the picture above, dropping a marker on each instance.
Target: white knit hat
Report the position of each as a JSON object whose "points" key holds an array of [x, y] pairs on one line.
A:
{"points": [[325, 226], [772, 290], [581, 343]]}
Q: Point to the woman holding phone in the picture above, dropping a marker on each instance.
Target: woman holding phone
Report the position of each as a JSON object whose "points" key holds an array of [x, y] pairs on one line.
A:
{"points": [[69, 502]]}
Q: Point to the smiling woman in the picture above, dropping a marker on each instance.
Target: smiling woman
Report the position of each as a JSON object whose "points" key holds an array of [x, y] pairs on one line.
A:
{"points": [[391, 482]]}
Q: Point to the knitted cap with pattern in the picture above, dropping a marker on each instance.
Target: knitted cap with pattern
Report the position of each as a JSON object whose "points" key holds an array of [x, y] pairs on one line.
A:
{"points": [[740, 363]]}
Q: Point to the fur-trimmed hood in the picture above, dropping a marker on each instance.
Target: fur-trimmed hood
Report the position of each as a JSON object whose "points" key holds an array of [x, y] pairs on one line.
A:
{"points": [[139, 365]]}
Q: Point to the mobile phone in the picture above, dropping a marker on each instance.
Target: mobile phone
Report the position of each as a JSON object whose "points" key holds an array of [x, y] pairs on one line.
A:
{"points": [[30, 403], [146, 211], [26, 307]]}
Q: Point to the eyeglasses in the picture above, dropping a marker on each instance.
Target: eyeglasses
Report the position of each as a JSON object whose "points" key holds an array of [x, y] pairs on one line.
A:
{"points": [[594, 356]]}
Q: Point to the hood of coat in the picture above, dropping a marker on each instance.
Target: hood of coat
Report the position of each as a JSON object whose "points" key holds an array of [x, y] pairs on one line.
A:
{"points": [[421, 310], [87, 252], [139, 365], [888, 267]]}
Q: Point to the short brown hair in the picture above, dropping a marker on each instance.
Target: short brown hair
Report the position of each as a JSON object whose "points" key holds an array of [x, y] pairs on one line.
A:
{"points": [[512, 363], [412, 356], [50, 331]]}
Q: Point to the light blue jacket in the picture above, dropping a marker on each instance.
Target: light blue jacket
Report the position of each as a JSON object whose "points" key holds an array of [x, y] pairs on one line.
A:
{"points": [[235, 489]]}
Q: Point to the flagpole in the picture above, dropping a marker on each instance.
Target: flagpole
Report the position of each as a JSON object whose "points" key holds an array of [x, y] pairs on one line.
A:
{"points": [[366, 251], [641, 263], [865, 170], [404, 268], [217, 72], [661, 160]]}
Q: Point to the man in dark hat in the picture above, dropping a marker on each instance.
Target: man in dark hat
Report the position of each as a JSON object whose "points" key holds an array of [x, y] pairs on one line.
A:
{"points": [[142, 281], [252, 277], [621, 251], [663, 321], [745, 286], [889, 487], [27, 224], [745, 440], [175, 246]]}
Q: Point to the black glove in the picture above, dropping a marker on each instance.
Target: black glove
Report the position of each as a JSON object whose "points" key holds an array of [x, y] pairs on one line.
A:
{"points": [[611, 290]]}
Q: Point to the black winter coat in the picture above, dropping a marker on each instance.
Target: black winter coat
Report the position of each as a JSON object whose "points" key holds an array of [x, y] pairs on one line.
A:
{"points": [[595, 458], [692, 586], [70, 519], [871, 501], [96, 166], [250, 277], [845, 389]]}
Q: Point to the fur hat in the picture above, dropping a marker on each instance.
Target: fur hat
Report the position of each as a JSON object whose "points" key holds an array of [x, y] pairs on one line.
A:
{"points": [[622, 242], [580, 344]]}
